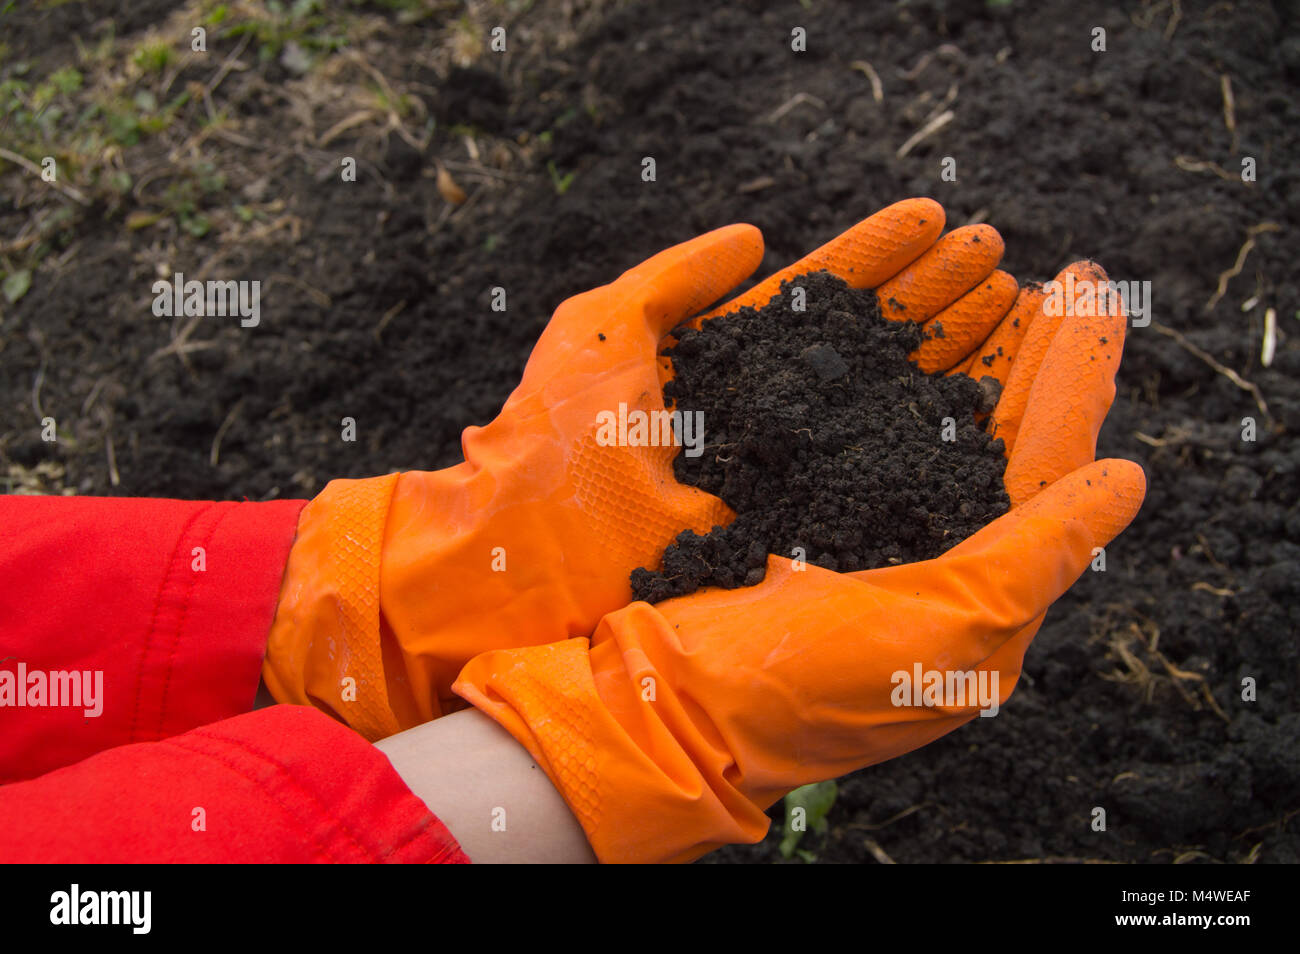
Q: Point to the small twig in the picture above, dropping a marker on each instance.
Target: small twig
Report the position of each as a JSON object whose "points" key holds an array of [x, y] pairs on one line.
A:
{"points": [[1229, 106], [182, 347], [1276, 823], [944, 103], [1179, 674], [359, 59], [756, 185], [473, 168], [1190, 164], [388, 316], [114, 477], [947, 51], [1204, 587], [292, 222], [346, 123], [1270, 338], [315, 294], [877, 90], [1143, 20], [212, 110], [933, 126], [215, 453], [237, 139], [877, 852], [866, 826], [1173, 20], [1253, 300], [87, 404], [1209, 553], [174, 72], [18, 244], [920, 64], [36, 391], [227, 65], [1209, 359], [73, 194], [1062, 860], [27, 235], [458, 211], [790, 104], [1242, 253]]}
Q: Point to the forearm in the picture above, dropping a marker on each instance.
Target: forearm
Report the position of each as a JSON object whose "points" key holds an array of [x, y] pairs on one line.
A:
{"points": [[487, 790]]}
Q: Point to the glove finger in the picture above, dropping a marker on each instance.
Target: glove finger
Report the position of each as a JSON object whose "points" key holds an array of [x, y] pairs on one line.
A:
{"points": [[626, 320], [966, 322], [1106, 494], [994, 584], [1005, 423], [1071, 393], [953, 266], [680, 281], [875, 249], [953, 612], [994, 358]]}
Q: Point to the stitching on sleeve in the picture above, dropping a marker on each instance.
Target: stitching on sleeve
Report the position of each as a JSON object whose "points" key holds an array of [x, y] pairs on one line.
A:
{"points": [[186, 601], [283, 770], [153, 620], [258, 784]]}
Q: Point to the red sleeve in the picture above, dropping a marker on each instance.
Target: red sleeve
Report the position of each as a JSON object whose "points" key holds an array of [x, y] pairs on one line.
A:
{"points": [[164, 606], [284, 784]]}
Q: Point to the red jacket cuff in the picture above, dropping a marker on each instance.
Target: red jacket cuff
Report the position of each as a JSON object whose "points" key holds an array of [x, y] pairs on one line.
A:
{"points": [[164, 606], [285, 784]]}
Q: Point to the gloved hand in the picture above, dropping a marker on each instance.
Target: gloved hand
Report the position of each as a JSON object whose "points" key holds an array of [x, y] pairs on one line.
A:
{"points": [[394, 583], [673, 728]]}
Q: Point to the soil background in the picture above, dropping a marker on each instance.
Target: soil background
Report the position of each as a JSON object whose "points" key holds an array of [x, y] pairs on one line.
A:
{"points": [[376, 305]]}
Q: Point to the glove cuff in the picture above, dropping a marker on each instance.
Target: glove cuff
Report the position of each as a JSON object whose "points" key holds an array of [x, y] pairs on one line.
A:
{"points": [[645, 782], [324, 647]]}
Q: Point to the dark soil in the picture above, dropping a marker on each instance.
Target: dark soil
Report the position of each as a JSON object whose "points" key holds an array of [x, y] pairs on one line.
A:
{"points": [[826, 440], [1070, 153]]}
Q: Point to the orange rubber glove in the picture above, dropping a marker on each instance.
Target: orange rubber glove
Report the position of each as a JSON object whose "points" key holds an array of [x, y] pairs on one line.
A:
{"points": [[673, 729], [394, 583]]}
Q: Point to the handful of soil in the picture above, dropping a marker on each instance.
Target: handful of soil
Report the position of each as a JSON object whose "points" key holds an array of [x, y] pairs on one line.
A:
{"points": [[829, 443]]}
